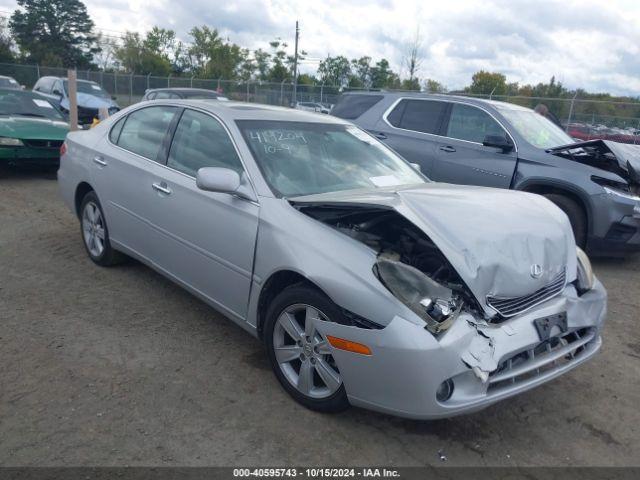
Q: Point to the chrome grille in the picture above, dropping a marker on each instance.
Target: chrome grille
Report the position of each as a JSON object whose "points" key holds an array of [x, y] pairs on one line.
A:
{"points": [[549, 355], [510, 306]]}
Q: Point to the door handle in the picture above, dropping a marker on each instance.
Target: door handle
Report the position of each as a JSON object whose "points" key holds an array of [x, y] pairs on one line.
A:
{"points": [[381, 136], [162, 188], [99, 160], [447, 148]]}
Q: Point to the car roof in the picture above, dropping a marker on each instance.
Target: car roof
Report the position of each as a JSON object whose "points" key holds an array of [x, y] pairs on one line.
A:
{"points": [[17, 91], [182, 89], [441, 96], [65, 78], [231, 111]]}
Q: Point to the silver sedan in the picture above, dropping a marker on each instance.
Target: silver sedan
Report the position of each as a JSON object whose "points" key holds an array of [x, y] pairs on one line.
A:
{"points": [[369, 284]]}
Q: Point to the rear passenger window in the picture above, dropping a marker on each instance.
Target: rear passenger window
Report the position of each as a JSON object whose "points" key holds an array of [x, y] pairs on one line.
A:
{"points": [[145, 129], [115, 131], [201, 141], [419, 115], [351, 107], [471, 124]]}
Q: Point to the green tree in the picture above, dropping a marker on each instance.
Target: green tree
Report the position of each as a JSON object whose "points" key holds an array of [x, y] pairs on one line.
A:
{"points": [[214, 57], [335, 70], [433, 86], [412, 83], [263, 63], [360, 72], [383, 77], [280, 69], [56, 32], [7, 54], [484, 83], [143, 55]]}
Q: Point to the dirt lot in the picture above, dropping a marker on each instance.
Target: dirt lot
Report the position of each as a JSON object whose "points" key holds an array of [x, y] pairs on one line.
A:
{"points": [[121, 367]]}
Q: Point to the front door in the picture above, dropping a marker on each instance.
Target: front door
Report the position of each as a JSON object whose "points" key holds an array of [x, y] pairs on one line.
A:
{"points": [[208, 239], [462, 158]]}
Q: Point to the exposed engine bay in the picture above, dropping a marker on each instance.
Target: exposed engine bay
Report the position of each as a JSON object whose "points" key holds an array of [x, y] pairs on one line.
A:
{"points": [[409, 264], [619, 158]]}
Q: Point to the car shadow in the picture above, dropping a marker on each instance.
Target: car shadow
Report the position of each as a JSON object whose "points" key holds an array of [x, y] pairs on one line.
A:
{"points": [[14, 172]]}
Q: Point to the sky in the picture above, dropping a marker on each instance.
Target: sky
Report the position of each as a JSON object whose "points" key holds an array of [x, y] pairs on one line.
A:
{"points": [[587, 44]]}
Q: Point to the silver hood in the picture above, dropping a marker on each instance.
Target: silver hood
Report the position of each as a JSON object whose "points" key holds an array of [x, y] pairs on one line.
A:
{"points": [[492, 237]]}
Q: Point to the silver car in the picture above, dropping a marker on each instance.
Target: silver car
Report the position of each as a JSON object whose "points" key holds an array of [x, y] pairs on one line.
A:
{"points": [[369, 284]]}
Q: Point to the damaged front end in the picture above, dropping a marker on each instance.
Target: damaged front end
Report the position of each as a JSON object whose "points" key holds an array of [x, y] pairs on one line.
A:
{"points": [[618, 158], [408, 263]]}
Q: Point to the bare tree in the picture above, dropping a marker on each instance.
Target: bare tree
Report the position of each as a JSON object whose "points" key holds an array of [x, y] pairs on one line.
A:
{"points": [[105, 58], [414, 59]]}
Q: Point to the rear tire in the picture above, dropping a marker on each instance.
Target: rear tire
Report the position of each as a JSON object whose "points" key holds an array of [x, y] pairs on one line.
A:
{"points": [[300, 355], [95, 233], [576, 216]]}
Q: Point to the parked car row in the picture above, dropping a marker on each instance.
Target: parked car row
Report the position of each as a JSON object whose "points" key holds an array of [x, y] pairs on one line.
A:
{"points": [[32, 129], [495, 144], [368, 283]]}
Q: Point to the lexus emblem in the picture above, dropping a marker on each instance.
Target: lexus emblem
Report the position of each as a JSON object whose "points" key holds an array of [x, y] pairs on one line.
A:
{"points": [[536, 270]]}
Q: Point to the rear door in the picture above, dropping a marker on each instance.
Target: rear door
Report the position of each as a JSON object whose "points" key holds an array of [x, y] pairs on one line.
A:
{"points": [[124, 173], [461, 157], [410, 127]]}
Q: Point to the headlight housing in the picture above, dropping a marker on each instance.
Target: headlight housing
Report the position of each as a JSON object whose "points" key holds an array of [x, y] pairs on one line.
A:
{"points": [[10, 142], [585, 278], [436, 304]]}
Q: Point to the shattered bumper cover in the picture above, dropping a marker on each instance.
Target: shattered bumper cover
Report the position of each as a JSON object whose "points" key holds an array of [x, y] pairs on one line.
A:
{"points": [[485, 362]]}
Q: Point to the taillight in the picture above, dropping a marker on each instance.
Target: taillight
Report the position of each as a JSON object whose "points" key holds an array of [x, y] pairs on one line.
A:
{"points": [[63, 148]]}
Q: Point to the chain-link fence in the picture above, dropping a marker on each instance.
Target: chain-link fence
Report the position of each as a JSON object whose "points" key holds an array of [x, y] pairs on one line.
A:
{"points": [[583, 119]]}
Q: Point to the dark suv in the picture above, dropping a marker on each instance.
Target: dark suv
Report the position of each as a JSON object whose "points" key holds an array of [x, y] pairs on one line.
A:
{"points": [[496, 144]]}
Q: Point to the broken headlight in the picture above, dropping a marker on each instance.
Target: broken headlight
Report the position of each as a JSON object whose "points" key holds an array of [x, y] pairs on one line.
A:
{"points": [[436, 304], [585, 278]]}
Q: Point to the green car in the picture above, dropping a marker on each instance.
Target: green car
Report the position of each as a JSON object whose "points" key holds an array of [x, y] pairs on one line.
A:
{"points": [[32, 129]]}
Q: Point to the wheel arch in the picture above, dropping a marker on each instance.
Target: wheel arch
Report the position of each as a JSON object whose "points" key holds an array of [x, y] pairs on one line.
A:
{"points": [[81, 190], [542, 187], [277, 282]]}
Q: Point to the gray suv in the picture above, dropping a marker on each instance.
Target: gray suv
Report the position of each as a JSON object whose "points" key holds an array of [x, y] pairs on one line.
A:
{"points": [[495, 144]]}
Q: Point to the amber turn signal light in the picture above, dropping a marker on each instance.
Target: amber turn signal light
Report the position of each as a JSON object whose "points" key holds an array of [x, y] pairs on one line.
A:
{"points": [[342, 344]]}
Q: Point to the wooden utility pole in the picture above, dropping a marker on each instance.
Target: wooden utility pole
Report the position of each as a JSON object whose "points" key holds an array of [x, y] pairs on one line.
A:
{"points": [[295, 68], [73, 99]]}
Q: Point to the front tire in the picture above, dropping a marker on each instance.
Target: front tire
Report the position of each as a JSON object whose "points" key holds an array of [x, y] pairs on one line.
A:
{"points": [[95, 234], [299, 354], [576, 216]]}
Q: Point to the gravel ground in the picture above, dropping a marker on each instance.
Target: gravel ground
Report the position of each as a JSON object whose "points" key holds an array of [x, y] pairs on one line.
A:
{"points": [[121, 367]]}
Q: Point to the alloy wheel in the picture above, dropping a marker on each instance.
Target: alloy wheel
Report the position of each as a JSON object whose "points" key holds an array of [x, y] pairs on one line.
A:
{"points": [[93, 231], [303, 354]]}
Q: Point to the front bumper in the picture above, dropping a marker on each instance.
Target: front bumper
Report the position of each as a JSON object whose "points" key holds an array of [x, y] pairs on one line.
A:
{"points": [[616, 226], [29, 156], [408, 364]]}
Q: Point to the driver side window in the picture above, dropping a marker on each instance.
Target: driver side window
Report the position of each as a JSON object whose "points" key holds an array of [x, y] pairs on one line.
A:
{"points": [[201, 141], [472, 124]]}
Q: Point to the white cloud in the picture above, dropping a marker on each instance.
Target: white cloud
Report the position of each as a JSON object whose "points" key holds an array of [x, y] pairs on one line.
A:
{"points": [[585, 43]]}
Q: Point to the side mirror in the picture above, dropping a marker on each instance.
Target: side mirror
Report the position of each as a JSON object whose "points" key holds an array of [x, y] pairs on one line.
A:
{"points": [[416, 166], [57, 92], [214, 179], [498, 141]]}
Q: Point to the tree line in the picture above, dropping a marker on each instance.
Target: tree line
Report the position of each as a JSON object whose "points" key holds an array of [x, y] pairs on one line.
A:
{"points": [[61, 33]]}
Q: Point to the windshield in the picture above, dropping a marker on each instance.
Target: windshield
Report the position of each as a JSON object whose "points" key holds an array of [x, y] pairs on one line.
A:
{"points": [[89, 88], [535, 128], [7, 82], [298, 158], [19, 103]]}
